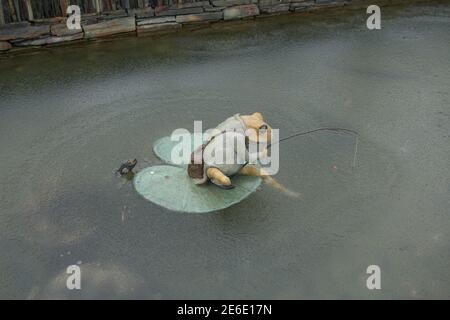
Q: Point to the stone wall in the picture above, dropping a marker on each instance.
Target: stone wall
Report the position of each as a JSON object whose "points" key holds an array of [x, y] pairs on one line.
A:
{"points": [[157, 20]]}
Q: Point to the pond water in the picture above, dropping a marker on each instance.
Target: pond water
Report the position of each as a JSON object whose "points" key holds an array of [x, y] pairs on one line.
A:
{"points": [[69, 116]]}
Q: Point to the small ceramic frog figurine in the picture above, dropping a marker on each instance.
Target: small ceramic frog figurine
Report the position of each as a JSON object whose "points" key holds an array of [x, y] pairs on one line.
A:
{"points": [[127, 167], [226, 133]]}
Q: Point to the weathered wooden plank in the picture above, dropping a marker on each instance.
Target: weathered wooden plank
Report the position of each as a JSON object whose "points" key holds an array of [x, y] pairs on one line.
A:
{"points": [[17, 9], [63, 4], [29, 10], [98, 6], [142, 13], [12, 12], [113, 15], [45, 9], [2, 15], [106, 5]]}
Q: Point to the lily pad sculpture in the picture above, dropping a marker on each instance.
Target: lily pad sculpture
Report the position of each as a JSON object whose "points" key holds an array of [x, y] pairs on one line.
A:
{"points": [[170, 186]]}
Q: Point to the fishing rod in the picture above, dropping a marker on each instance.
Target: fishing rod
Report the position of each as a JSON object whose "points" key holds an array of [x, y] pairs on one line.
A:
{"points": [[334, 130]]}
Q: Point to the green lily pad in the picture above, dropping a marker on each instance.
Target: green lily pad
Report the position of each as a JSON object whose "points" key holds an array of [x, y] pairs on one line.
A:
{"points": [[170, 186], [163, 149]]}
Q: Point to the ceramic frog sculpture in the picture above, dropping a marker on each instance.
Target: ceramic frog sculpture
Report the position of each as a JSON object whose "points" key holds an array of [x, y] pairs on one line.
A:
{"points": [[252, 129]]}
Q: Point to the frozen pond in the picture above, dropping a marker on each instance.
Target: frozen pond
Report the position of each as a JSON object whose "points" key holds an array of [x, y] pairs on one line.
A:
{"points": [[69, 117]]}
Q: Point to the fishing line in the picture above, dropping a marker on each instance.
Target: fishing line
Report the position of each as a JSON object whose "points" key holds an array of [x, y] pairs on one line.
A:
{"points": [[333, 130]]}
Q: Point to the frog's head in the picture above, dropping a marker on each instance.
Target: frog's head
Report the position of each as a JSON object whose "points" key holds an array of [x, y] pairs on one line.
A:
{"points": [[261, 132]]}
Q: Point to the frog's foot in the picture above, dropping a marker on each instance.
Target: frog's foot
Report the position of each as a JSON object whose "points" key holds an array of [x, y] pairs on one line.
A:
{"points": [[226, 187], [218, 177]]}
